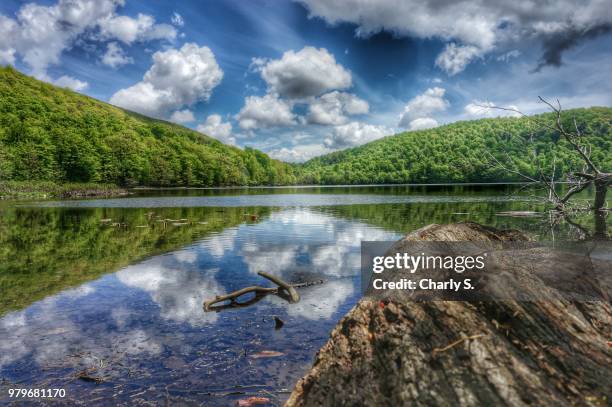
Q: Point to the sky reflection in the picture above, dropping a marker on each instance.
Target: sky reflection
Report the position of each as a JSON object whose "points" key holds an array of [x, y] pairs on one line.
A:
{"points": [[148, 317]]}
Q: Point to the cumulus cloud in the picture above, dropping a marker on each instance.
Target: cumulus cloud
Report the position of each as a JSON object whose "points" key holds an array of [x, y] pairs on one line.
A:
{"points": [[142, 28], [310, 77], [39, 34], [70, 83], [177, 78], [455, 58], [422, 106], [483, 25], [489, 109], [115, 56], [422, 123], [334, 107], [182, 116], [355, 133], [265, 112], [305, 73], [299, 153], [214, 126]]}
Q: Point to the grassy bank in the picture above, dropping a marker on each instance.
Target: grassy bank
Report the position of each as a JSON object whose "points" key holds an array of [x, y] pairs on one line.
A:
{"points": [[22, 190]]}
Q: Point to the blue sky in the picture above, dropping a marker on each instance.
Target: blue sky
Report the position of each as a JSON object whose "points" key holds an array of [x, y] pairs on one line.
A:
{"points": [[301, 78]]}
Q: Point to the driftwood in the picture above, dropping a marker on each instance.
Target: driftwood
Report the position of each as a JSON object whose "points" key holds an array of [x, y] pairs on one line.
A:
{"points": [[455, 353], [284, 290]]}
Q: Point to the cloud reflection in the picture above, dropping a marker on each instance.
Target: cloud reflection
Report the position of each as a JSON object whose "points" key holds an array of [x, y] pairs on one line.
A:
{"points": [[177, 288]]}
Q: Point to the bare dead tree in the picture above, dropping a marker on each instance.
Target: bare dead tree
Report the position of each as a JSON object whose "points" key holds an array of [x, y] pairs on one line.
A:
{"points": [[590, 175], [577, 181]]}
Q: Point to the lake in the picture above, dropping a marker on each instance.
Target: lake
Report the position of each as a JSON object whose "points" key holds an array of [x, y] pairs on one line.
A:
{"points": [[103, 297]]}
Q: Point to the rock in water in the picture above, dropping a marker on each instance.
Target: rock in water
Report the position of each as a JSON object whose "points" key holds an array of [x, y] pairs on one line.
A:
{"points": [[449, 353]]}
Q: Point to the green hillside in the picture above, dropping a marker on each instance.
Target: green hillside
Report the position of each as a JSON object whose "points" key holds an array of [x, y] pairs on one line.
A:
{"points": [[49, 134], [460, 152], [53, 134]]}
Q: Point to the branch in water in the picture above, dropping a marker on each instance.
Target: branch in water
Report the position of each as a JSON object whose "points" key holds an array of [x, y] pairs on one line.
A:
{"points": [[284, 289]]}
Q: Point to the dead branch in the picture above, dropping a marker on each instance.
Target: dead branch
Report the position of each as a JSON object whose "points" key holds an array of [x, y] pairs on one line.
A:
{"points": [[284, 290], [293, 295], [591, 175]]}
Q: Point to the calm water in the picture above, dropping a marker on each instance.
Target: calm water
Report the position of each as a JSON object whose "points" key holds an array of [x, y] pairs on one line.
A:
{"points": [[113, 289]]}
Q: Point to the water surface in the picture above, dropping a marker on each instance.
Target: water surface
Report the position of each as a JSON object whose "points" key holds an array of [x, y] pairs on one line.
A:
{"points": [[113, 289]]}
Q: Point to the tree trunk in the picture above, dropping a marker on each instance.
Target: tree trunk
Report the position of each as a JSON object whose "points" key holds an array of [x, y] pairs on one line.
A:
{"points": [[601, 226], [601, 188], [454, 353]]}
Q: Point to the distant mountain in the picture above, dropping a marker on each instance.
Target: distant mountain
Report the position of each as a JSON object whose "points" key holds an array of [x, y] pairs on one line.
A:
{"points": [[53, 134], [461, 152]]}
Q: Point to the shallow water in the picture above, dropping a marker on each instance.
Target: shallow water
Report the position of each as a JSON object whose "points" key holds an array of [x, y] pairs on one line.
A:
{"points": [[113, 289]]}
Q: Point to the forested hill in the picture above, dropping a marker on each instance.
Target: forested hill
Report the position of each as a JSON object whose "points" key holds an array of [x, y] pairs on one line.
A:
{"points": [[53, 134], [461, 152]]}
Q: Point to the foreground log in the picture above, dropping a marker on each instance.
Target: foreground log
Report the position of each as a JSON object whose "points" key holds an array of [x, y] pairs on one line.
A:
{"points": [[451, 353]]}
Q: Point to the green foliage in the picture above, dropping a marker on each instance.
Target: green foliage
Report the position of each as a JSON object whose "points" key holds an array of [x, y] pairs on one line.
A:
{"points": [[45, 251], [461, 152], [53, 134]]}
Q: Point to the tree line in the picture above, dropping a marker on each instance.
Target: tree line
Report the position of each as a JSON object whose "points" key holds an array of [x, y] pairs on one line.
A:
{"points": [[53, 134], [467, 151]]}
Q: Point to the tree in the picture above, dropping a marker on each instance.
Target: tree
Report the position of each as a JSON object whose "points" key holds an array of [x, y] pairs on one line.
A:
{"points": [[576, 180]]}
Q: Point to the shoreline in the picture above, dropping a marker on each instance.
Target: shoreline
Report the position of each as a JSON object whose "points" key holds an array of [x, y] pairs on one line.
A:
{"points": [[41, 190], [26, 190]]}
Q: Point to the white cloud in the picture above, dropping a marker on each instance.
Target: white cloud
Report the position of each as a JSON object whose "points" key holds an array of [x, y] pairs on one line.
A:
{"points": [[300, 77], [7, 56], [479, 25], [466, 21], [264, 112], [70, 83], [7, 31], [332, 108], [306, 73], [177, 78], [489, 109], [40, 34], [115, 56], [177, 19], [299, 153], [215, 127], [182, 116], [455, 58], [422, 123], [421, 106], [142, 28], [355, 133]]}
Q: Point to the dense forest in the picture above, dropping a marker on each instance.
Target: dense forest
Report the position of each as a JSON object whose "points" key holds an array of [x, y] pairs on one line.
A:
{"points": [[461, 152], [53, 134]]}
